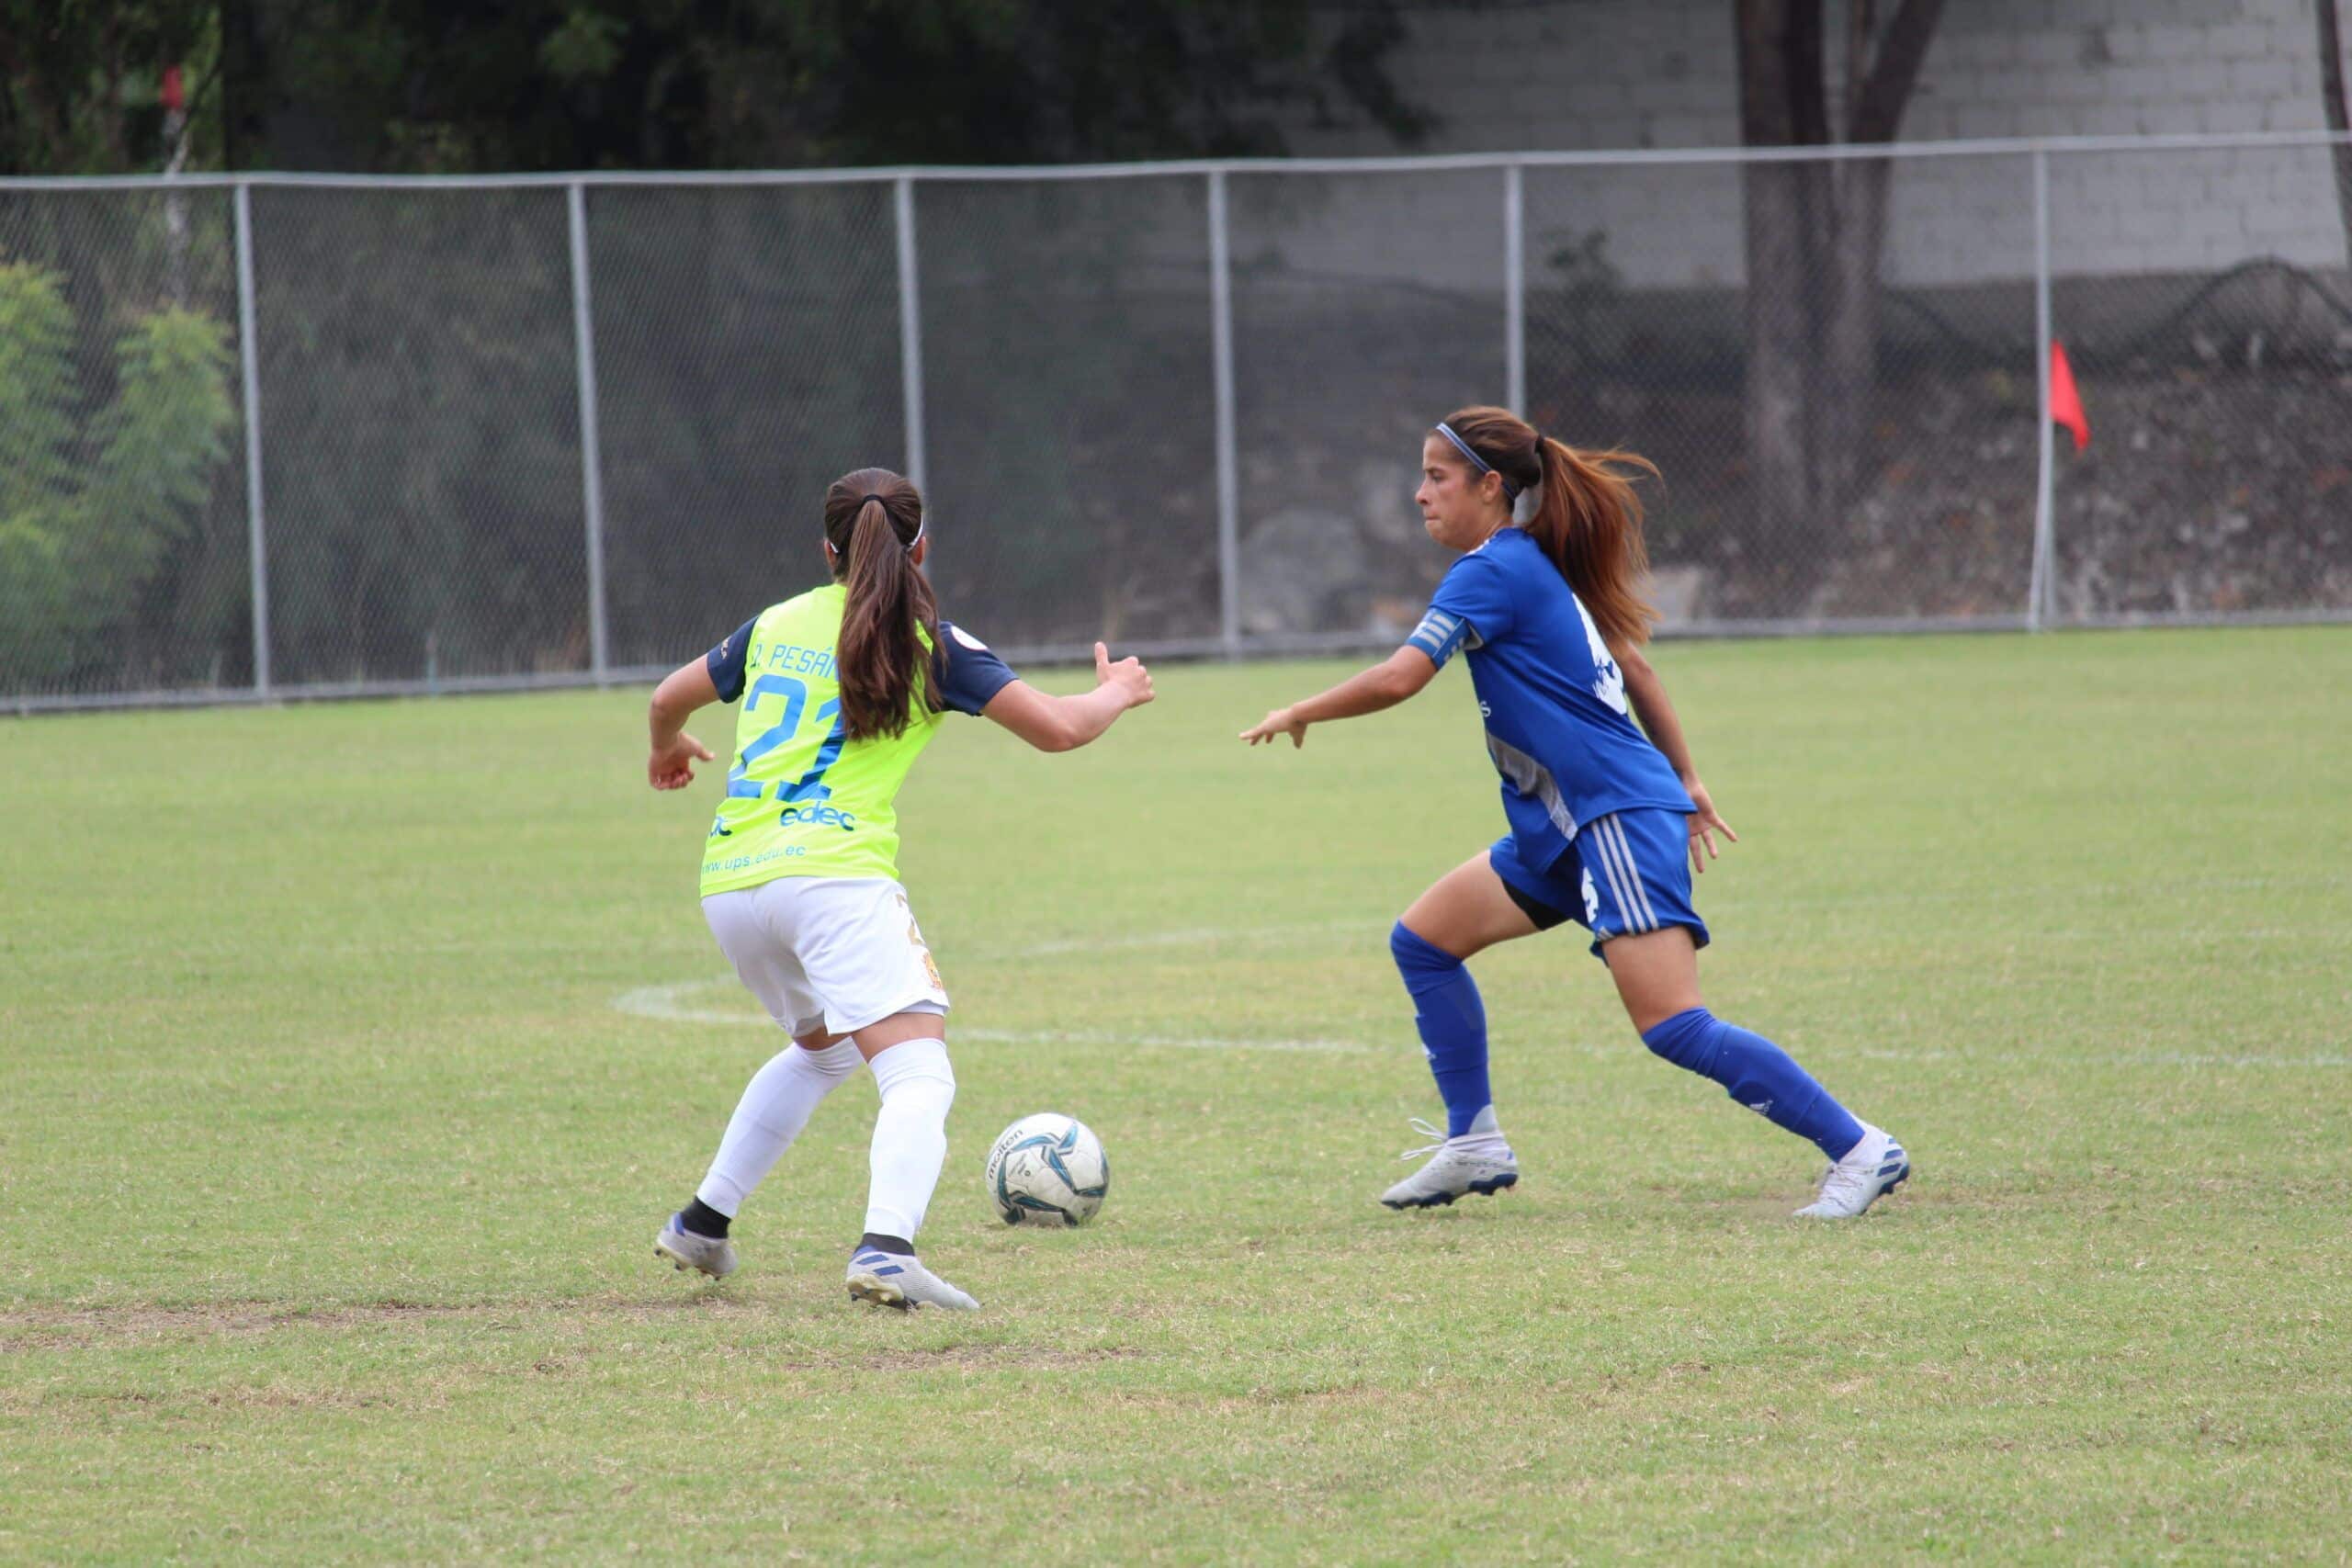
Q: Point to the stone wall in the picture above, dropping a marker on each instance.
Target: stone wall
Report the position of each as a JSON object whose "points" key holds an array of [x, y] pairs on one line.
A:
{"points": [[1596, 75]]}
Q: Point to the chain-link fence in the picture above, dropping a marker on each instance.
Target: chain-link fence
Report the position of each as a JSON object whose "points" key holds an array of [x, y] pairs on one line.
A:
{"points": [[2218, 477], [299, 435]]}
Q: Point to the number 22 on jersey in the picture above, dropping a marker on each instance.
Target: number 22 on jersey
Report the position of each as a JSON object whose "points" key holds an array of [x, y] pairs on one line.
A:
{"points": [[810, 789]]}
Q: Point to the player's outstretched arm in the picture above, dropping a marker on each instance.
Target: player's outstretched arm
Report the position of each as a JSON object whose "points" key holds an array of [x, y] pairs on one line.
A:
{"points": [[684, 689], [1647, 695], [1399, 676], [1064, 723]]}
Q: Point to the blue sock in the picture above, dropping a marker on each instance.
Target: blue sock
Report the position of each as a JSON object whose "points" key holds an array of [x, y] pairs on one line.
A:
{"points": [[1758, 1075], [1453, 1022]]}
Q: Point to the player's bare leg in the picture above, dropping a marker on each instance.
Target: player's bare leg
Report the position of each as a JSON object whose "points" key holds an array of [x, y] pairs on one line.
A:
{"points": [[1466, 911], [1656, 974], [1657, 979]]}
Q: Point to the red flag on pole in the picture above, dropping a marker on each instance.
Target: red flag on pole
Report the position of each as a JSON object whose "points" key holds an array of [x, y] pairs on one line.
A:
{"points": [[2065, 402]]}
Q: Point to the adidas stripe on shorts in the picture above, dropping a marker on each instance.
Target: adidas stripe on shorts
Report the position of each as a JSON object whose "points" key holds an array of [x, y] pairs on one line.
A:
{"points": [[1622, 875]]}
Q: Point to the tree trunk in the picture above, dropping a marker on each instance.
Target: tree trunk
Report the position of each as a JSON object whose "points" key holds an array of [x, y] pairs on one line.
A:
{"points": [[2331, 91], [1849, 337], [1879, 83], [1779, 347], [243, 66], [176, 226], [1780, 93], [1816, 234]]}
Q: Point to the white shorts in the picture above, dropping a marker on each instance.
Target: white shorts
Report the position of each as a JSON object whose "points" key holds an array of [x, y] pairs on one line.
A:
{"points": [[829, 953]]}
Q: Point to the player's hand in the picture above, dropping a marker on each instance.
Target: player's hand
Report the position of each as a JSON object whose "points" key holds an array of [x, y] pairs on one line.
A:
{"points": [[1128, 674], [1705, 823], [1281, 721], [672, 767]]}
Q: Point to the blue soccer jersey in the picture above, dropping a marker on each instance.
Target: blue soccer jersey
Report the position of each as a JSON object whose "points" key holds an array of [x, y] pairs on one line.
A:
{"points": [[1557, 726]]}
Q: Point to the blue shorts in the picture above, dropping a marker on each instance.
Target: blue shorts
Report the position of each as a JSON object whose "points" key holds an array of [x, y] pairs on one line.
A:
{"points": [[1622, 875]]}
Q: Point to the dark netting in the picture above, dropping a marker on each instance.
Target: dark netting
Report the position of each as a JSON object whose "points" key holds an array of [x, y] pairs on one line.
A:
{"points": [[1883, 465], [1069, 408], [1365, 308], [2203, 300], [1862, 455], [746, 354], [123, 566], [421, 454]]}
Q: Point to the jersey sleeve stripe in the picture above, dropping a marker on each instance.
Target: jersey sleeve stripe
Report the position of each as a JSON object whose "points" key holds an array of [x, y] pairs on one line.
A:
{"points": [[1439, 635]]}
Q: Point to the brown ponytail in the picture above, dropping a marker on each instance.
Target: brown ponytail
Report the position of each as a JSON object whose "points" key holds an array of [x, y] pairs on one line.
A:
{"points": [[873, 518], [1586, 516]]}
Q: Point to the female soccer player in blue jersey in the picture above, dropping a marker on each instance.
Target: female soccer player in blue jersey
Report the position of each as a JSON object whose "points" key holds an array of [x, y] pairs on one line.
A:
{"points": [[1607, 824], [841, 688]]}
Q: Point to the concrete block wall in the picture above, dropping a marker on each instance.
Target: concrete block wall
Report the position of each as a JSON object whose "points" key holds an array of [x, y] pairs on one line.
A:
{"points": [[1616, 73]]}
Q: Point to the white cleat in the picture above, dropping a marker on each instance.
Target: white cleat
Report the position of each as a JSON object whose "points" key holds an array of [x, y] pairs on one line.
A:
{"points": [[1480, 1163], [1869, 1170], [711, 1254], [896, 1281]]}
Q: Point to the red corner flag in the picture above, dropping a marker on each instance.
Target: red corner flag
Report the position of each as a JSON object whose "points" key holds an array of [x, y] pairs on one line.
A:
{"points": [[2065, 402]]}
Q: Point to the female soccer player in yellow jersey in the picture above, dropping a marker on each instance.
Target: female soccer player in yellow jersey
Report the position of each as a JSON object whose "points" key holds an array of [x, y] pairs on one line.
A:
{"points": [[841, 688]]}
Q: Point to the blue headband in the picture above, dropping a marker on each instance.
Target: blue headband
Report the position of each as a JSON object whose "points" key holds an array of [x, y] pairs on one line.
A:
{"points": [[1510, 491]]}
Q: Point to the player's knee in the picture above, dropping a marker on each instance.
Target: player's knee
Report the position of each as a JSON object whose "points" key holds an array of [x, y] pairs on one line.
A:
{"points": [[1416, 955], [915, 1062], [1688, 1039], [937, 1070]]}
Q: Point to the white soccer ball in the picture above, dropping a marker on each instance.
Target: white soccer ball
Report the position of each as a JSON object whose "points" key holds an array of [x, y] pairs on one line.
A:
{"points": [[1047, 1170]]}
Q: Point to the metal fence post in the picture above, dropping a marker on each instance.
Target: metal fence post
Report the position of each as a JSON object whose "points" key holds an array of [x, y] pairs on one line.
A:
{"points": [[2042, 591], [592, 465], [1229, 474], [249, 351], [910, 328], [1515, 289]]}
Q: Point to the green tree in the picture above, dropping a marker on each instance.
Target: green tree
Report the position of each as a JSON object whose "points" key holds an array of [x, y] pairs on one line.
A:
{"points": [[453, 85], [442, 85], [92, 503], [423, 498], [80, 83]]}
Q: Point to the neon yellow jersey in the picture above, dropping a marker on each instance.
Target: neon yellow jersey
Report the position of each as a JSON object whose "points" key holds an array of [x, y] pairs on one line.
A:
{"points": [[802, 799]]}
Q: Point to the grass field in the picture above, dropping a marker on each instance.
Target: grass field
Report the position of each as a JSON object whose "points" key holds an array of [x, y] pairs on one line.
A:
{"points": [[352, 1056]]}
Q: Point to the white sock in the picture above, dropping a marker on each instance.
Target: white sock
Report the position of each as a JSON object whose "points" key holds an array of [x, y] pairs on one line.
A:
{"points": [[1485, 1136], [774, 1107], [910, 1135]]}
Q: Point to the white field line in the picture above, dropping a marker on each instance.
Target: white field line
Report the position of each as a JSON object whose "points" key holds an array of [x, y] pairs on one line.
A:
{"points": [[2101, 893], [666, 1003], [1731, 905], [2202, 1059], [1195, 936], [670, 1005], [1173, 1042]]}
